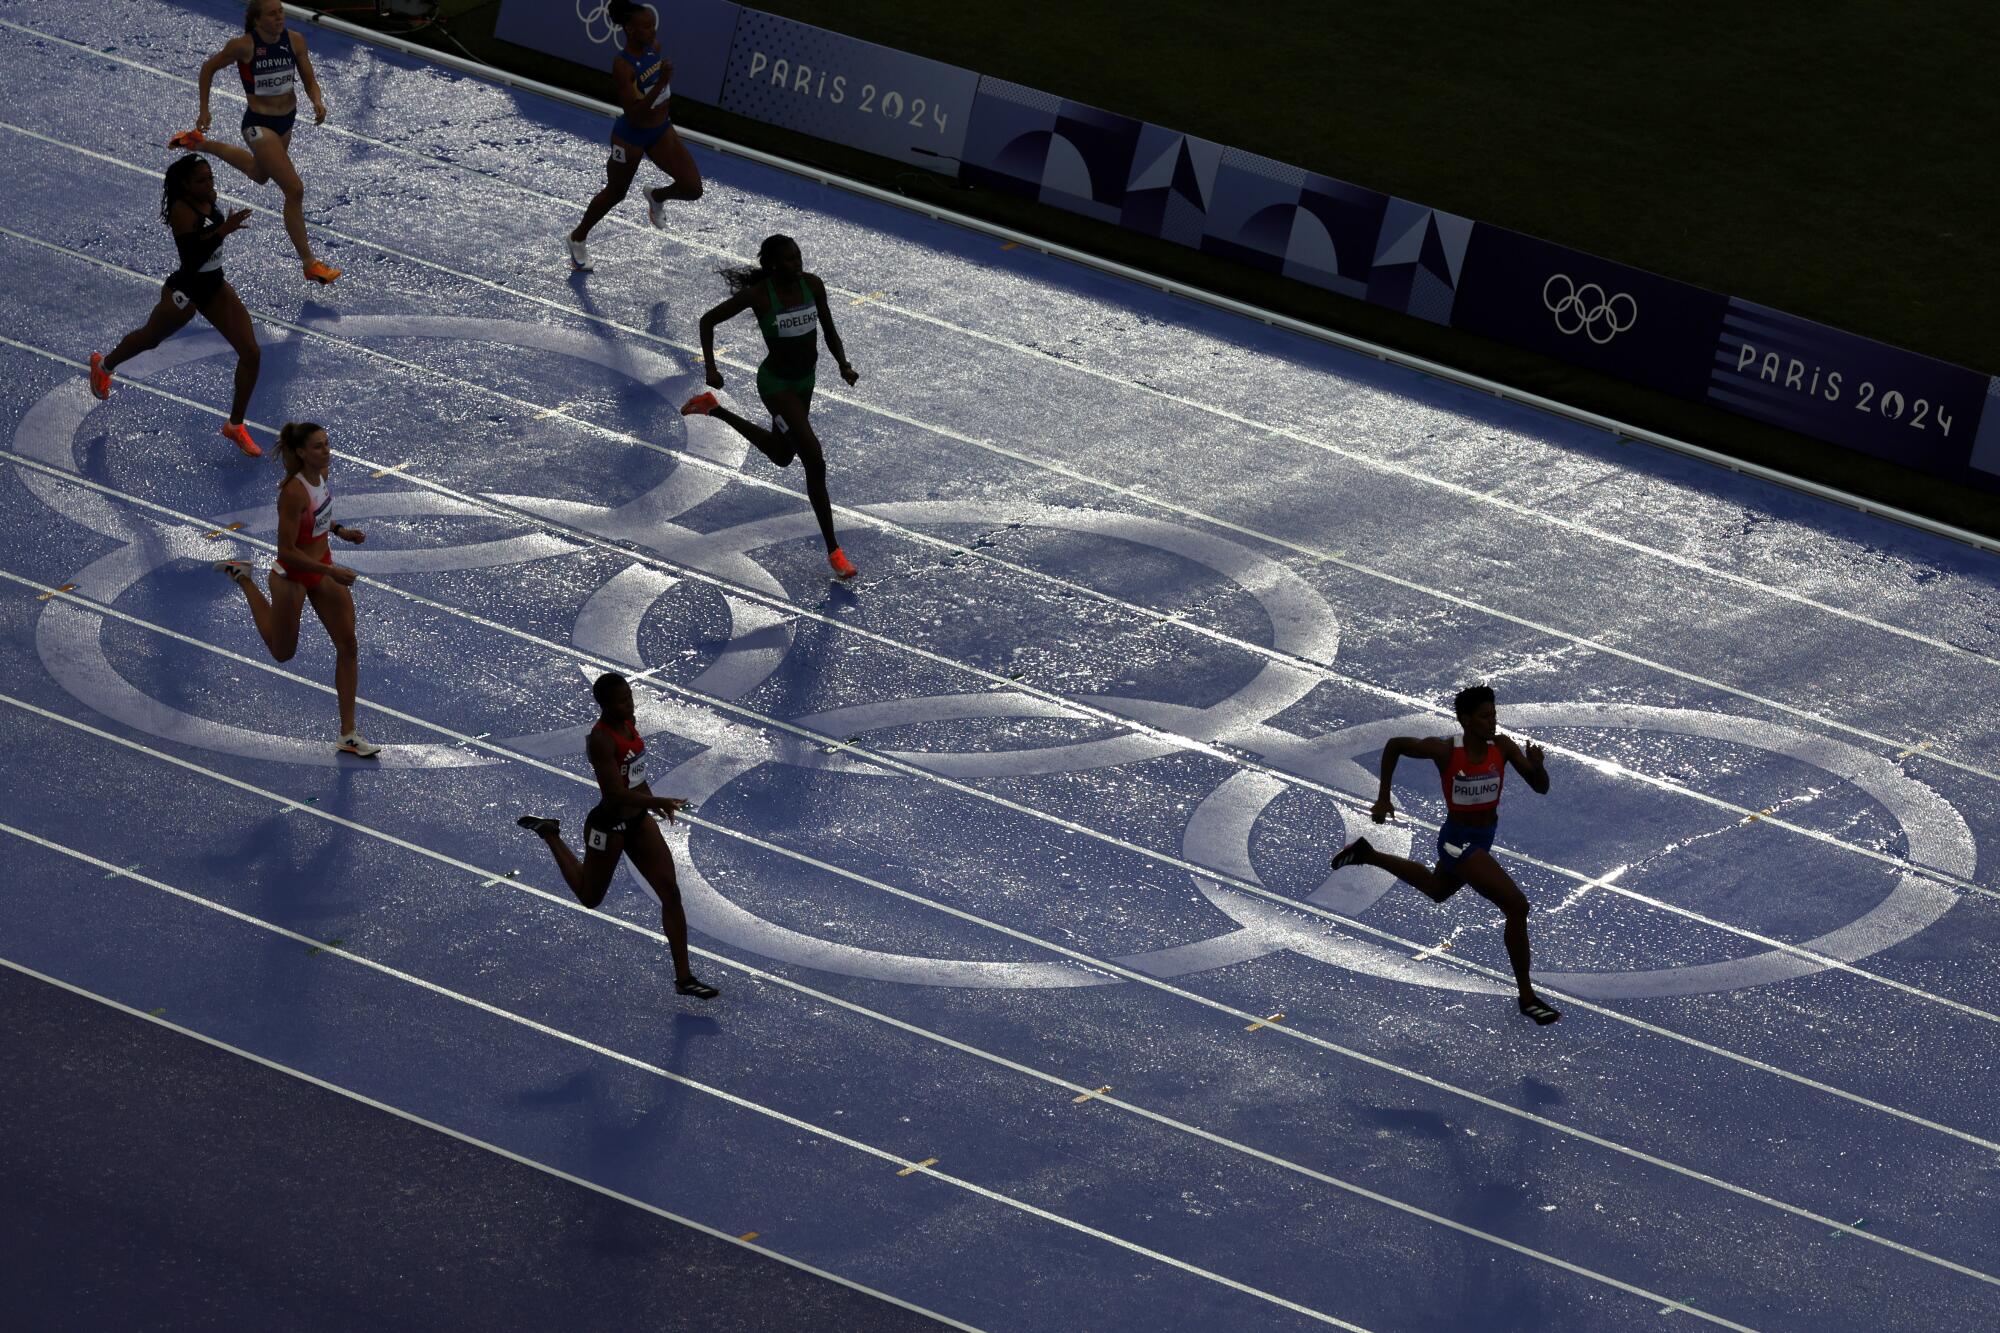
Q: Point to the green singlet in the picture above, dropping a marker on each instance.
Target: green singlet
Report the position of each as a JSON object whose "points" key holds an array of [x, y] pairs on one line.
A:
{"points": [[792, 335]]}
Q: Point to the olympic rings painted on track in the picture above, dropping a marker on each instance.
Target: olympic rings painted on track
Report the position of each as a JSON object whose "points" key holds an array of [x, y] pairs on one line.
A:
{"points": [[1219, 830]]}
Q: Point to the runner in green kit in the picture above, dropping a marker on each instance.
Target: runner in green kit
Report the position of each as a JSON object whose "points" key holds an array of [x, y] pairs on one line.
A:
{"points": [[790, 305]]}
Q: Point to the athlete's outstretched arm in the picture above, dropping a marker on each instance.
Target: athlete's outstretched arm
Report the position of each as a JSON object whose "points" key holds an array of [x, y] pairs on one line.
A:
{"points": [[728, 310], [847, 372], [234, 50], [1529, 764], [307, 77], [1421, 747]]}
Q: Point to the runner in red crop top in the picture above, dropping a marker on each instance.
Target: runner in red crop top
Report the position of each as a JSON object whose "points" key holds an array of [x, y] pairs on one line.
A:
{"points": [[305, 572], [621, 824], [1472, 770]]}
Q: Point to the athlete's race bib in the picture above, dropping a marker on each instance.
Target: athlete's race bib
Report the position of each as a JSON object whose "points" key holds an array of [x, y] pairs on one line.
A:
{"points": [[797, 323], [1475, 789]]}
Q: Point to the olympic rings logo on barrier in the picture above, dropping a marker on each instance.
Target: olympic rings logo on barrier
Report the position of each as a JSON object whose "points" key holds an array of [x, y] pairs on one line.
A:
{"points": [[1587, 310], [1219, 833]]}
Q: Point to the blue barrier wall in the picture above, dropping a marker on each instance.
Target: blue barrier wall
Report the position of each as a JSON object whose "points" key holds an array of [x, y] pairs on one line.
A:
{"points": [[1268, 215]]}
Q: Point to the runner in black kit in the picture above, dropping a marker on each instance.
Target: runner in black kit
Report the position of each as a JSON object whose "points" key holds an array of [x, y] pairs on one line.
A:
{"points": [[270, 58], [790, 305], [1473, 770], [645, 79], [187, 205], [621, 824]]}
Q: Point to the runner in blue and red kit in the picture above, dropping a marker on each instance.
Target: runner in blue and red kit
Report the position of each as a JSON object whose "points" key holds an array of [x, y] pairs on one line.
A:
{"points": [[1473, 769], [621, 824], [645, 79], [271, 60]]}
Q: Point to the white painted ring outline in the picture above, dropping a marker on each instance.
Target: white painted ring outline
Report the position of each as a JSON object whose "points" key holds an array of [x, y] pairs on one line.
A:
{"points": [[1261, 928]]}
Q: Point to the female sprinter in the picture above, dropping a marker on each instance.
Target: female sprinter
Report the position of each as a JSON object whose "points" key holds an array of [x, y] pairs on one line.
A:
{"points": [[645, 80], [271, 58], [187, 206], [304, 573], [1472, 771], [790, 305], [621, 824]]}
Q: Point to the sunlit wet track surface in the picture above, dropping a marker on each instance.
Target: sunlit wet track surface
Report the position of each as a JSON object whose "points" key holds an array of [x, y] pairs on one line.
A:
{"points": [[1039, 1005]]}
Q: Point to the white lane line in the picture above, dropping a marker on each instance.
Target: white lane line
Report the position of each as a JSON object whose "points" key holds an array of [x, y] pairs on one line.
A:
{"points": [[873, 757], [910, 769], [363, 1099], [847, 626], [1121, 382], [909, 1167], [923, 1166], [1083, 1094], [1087, 960], [488, 878], [1137, 492], [742, 1103]]}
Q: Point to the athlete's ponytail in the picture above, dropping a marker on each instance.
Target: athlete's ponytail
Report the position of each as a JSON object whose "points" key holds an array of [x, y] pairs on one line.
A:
{"points": [[767, 257], [175, 185], [292, 438]]}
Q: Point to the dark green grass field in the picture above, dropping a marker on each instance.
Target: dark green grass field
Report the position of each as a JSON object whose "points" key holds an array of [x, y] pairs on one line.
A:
{"points": [[1833, 159]]}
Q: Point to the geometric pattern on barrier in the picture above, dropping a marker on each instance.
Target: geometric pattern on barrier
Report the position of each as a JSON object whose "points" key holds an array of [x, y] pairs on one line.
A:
{"points": [[1419, 257], [1279, 218], [1171, 183], [1034, 144], [1251, 211]]}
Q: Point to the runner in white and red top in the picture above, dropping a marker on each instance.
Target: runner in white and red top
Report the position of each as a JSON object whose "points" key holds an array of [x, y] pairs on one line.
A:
{"points": [[1473, 770], [621, 824]]}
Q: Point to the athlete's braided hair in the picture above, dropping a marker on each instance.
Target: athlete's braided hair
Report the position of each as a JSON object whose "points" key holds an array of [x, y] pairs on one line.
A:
{"points": [[767, 256], [176, 180], [291, 438]]}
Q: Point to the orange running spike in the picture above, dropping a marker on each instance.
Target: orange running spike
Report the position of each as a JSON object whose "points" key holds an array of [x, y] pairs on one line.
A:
{"points": [[189, 139], [100, 378], [321, 272], [700, 405], [842, 566], [239, 435]]}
